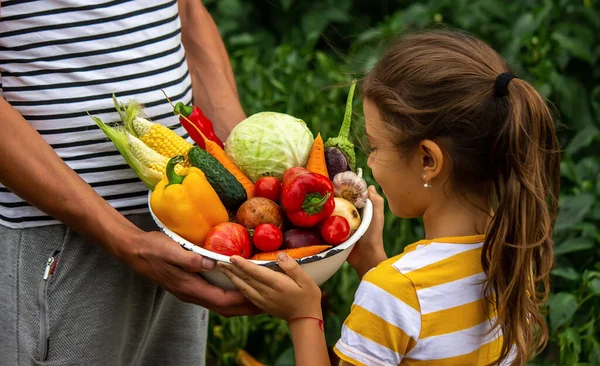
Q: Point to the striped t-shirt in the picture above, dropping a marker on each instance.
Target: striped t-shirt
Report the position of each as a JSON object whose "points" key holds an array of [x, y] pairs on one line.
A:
{"points": [[60, 59], [423, 307]]}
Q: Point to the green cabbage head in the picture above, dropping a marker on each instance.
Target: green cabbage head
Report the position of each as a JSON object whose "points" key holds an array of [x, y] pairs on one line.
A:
{"points": [[268, 143]]}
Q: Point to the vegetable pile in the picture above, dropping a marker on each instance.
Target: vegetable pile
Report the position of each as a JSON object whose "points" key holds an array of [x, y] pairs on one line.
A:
{"points": [[270, 187]]}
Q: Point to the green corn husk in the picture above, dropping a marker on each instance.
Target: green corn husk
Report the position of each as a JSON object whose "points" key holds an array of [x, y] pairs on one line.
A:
{"points": [[128, 113], [147, 164]]}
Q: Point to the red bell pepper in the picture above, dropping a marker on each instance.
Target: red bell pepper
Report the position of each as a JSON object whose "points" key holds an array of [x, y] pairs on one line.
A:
{"points": [[306, 197], [194, 115]]}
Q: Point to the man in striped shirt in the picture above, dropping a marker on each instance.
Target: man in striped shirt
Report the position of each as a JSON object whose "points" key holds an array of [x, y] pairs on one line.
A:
{"points": [[83, 279]]}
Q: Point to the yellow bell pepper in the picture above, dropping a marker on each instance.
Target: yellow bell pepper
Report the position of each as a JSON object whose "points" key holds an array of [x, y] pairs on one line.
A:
{"points": [[186, 203]]}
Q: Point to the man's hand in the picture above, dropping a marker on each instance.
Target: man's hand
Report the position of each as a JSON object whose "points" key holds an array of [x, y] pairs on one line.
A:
{"points": [[175, 269]]}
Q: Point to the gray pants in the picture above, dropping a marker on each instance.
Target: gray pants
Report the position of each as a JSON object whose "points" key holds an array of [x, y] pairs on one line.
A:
{"points": [[63, 301]]}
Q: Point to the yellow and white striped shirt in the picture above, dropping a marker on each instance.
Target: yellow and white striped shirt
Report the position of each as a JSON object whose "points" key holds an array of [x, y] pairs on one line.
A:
{"points": [[425, 306]]}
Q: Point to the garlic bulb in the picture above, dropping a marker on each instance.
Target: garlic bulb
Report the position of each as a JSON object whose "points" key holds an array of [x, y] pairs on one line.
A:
{"points": [[351, 187]]}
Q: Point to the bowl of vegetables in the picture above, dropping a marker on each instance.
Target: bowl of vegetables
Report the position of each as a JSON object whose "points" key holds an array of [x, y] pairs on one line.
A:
{"points": [[320, 266], [272, 186]]}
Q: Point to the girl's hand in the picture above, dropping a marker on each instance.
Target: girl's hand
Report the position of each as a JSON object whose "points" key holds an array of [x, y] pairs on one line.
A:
{"points": [[369, 252], [284, 296]]}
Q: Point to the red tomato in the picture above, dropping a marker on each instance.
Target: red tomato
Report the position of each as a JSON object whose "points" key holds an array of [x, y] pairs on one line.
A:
{"points": [[267, 237], [268, 187], [229, 239], [335, 230]]}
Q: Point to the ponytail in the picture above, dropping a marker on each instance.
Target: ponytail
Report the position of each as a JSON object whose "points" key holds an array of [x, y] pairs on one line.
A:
{"points": [[517, 253]]}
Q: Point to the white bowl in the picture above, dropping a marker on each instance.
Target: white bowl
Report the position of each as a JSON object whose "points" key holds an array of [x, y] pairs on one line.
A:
{"points": [[319, 266]]}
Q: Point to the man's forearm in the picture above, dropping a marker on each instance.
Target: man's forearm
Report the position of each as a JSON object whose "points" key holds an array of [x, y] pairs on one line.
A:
{"points": [[214, 87], [32, 170]]}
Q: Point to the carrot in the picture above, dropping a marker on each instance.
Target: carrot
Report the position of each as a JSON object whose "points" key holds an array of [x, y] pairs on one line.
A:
{"points": [[316, 160], [296, 253], [218, 153]]}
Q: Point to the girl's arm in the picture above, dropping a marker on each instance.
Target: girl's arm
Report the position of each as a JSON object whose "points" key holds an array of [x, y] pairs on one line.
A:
{"points": [[294, 297], [309, 342]]}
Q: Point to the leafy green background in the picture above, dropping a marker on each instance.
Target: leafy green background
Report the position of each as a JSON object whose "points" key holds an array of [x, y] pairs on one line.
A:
{"points": [[298, 57]]}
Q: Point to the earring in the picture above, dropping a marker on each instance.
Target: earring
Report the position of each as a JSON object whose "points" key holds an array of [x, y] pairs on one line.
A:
{"points": [[426, 184]]}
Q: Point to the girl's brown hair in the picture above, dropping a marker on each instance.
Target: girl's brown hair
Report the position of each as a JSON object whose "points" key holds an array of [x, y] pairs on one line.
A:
{"points": [[440, 85]]}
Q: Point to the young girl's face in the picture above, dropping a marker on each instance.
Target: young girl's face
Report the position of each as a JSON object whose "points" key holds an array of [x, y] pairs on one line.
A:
{"points": [[400, 177]]}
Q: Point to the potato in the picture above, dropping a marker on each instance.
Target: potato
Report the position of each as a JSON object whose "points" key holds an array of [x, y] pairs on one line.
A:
{"points": [[259, 210]]}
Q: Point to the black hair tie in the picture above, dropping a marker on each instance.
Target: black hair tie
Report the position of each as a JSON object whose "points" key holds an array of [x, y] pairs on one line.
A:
{"points": [[501, 83]]}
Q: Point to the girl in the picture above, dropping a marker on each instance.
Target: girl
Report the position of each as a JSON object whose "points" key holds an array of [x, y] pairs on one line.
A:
{"points": [[458, 140]]}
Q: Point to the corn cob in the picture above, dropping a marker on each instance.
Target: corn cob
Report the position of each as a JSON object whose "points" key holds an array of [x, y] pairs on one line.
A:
{"points": [[147, 164], [160, 138], [146, 156]]}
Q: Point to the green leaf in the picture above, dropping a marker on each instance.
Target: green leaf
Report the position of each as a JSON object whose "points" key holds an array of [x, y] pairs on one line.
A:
{"points": [[572, 209], [276, 83], [570, 346], [594, 286], [560, 83], [230, 8], [495, 8], [588, 330], [544, 89], [369, 35], [590, 229], [242, 39], [594, 214], [286, 5], [580, 31], [335, 15], [524, 26], [574, 245], [587, 169], [544, 14], [574, 100], [313, 25], [416, 14], [567, 273], [588, 275], [562, 307], [595, 354], [286, 358], [568, 169], [595, 102], [583, 139], [574, 46], [333, 327]]}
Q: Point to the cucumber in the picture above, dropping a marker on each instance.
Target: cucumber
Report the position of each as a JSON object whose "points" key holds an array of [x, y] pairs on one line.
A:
{"points": [[230, 191]]}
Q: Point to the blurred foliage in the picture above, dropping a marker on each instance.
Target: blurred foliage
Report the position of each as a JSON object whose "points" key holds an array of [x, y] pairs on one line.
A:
{"points": [[298, 57]]}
